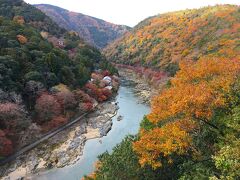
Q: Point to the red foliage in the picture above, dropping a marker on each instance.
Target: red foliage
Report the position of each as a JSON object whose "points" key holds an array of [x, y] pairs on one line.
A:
{"points": [[100, 94], [87, 106], [54, 123], [10, 115], [81, 96], [106, 73], [6, 147], [86, 102], [149, 74], [66, 100], [47, 107], [102, 84], [106, 92], [92, 90]]}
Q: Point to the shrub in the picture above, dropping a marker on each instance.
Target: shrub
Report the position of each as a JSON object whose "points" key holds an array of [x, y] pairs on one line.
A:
{"points": [[6, 147], [47, 108]]}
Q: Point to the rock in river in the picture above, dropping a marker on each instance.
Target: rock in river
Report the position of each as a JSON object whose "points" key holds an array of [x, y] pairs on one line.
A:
{"points": [[119, 118], [106, 128]]}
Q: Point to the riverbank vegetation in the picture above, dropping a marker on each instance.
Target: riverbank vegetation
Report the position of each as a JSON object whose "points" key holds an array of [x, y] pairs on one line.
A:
{"points": [[44, 75], [192, 131], [188, 133]]}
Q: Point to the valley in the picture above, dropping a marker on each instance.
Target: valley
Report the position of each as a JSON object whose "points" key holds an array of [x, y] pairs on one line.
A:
{"points": [[96, 32], [71, 150], [82, 98]]}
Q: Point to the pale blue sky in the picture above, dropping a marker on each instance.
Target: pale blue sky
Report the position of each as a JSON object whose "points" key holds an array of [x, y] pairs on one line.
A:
{"points": [[128, 12]]}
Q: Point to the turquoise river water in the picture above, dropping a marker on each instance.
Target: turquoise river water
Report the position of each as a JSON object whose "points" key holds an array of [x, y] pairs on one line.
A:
{"points": [[132, 113]]}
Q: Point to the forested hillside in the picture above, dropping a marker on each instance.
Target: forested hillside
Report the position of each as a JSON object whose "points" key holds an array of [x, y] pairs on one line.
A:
{"points": [[31, 15], [192, 131], [93, 30], [164, 40], [42, 68]]}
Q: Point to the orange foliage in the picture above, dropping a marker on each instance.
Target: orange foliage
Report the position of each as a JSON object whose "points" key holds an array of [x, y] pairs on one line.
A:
{"points": [[100, 94], [176, 36], [161, 141], [19, 19], [22, 39], [197, 90]]}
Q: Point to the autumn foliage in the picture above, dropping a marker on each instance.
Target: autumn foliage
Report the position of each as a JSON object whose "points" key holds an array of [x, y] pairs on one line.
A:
{"points": [[197, 90], [6, 146], [154, 77], [47, 107], [66, 100], [54, 123], [100, 94], [11, 115], [19, 19], [166, 39], [22, 39], [81, 96]]}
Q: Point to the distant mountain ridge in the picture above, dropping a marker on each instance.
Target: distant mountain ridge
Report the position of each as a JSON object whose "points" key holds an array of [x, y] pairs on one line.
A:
{"points": [[95, 31]]}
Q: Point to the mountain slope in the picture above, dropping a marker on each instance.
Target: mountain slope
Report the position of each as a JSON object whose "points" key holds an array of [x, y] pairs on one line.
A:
{"points": [[164, 40], [95, 31], [42, 68]]}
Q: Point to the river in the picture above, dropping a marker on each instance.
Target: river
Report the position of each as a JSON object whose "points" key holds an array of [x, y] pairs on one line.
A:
{"points": [[132, 113]]}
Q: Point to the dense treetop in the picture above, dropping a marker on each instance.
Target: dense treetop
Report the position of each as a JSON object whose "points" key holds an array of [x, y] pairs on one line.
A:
{"points": [[25, 39], [26, 56], [198, 91]]}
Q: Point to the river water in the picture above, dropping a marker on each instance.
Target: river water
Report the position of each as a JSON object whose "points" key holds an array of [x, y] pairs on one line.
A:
{"points": [[132, 113]]}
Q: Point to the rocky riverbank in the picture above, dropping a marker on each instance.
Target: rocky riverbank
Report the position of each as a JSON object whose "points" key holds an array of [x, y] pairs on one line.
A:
{"points": [[66, 147], [142, 88]]}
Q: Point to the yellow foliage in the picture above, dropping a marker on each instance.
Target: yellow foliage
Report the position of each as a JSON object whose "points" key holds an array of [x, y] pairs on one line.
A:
{"points": [[61, 88]]}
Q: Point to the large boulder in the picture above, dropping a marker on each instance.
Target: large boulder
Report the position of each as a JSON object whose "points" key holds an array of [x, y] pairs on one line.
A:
{"points": [[108, 108], [106, 128], [97, 122]]}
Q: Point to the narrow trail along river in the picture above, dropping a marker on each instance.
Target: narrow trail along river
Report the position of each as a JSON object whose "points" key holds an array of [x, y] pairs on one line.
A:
{"points": [[132, 113]]}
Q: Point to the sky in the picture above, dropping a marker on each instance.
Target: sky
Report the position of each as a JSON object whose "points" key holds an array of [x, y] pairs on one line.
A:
{"points": [[129, 12]]}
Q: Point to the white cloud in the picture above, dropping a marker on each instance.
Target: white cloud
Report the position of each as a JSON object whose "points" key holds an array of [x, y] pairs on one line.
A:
{"points": [[128, 12]]}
